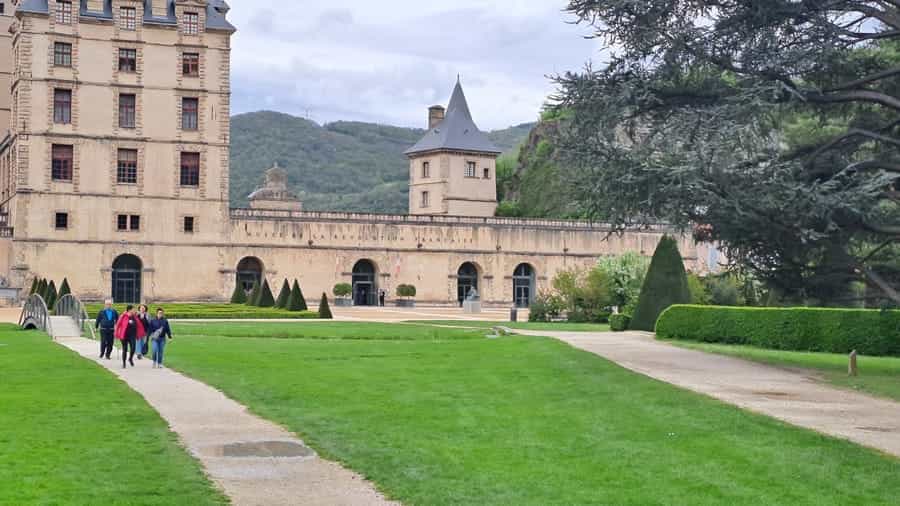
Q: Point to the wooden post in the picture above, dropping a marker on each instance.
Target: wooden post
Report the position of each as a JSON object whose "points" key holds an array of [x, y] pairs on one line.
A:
{"points": [[852, 370]]}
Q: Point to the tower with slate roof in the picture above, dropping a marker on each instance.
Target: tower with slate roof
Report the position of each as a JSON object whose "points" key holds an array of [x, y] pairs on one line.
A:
{"points": [[453, 169]]}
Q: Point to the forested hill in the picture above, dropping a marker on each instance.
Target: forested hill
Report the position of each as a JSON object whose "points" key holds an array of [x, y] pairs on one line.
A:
{"points": [[342, 166]]}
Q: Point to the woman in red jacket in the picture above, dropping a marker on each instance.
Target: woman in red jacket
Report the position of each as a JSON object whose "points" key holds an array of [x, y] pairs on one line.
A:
{"points": [[128, 328]]}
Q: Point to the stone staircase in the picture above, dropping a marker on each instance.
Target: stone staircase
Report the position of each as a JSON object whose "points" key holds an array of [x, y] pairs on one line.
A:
{"points": [[64, 326]]}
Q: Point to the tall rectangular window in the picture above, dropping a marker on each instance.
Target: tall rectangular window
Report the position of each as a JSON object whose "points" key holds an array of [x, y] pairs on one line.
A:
{"points": [[61, 221], [127, 60], [426, 170], [127, 110], [470, 169], [128, 18], [64, 12], [62, 54], [425, 199], [191, 23], [122, 222], [134, 222], [62, 106], [126, 170], [487, 173], [61, 165], [189, 113], [190, 64], [189, 224], [190, 169]]}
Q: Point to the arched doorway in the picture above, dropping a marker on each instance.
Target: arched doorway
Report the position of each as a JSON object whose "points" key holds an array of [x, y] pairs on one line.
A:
{"points": [[249, 272], [523, 285], [466, 281], [126, 279], [365, 284]]}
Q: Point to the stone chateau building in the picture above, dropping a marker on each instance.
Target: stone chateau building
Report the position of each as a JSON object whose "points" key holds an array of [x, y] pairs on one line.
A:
{"points": [[114, 173]]}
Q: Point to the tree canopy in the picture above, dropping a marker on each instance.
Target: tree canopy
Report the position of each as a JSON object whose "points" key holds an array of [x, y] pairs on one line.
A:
{"points": [[770, 126]]}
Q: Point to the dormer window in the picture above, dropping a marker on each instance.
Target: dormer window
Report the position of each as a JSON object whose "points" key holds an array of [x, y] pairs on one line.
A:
{"points": [[128, 18], [191, 23], [64, 12]]}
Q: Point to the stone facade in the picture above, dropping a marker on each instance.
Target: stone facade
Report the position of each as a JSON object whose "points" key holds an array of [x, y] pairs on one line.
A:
{"points": [[180, 241]]}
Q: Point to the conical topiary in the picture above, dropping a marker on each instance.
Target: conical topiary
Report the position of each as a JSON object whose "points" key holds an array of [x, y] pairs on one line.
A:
{"points": [[296, 302], [42, 288], [51, 295], [665, 284], [34, 286], [238, 296], [254, 294], [64, 289], [265, 296], [324, 310], [283, 295]]}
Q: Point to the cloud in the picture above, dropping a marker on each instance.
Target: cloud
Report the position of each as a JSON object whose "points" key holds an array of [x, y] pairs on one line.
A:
{"points": [[387, 61]]}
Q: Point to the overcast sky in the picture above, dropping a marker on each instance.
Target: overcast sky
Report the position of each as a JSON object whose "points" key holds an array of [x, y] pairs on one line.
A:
{"points": [[387, 61]]}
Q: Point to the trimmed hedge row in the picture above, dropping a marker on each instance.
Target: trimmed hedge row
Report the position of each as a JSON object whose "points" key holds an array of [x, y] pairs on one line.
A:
{"points": [[870, 332], [182, 311]]}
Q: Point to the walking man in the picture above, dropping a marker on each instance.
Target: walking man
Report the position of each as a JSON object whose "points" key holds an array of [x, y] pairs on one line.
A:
{"points": [[106, 322]]}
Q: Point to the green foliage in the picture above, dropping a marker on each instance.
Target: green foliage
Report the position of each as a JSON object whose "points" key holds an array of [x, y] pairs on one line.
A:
{"points": [[324, 309], [619, 322], [64, 289], [42, 288], [725, 291], [545, 307], [506, 173], [265, 296], [406, 291], [238, 296], [296, 302], [213, 311], [253, 298], [584, 294], [34, 286], [508, 209], [51, 295], [665, 284], [341, 166], [342, 290], [870, 332], [626, 274], [283, 295], [699, 293]]}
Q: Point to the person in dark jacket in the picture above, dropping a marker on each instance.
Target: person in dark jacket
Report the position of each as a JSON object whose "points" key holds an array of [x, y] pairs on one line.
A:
{"points": [[106, 322], [128, 328], [157, 333]]}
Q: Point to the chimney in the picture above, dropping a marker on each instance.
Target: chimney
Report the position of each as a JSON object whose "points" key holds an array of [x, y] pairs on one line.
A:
{"points": [[435, 115]]}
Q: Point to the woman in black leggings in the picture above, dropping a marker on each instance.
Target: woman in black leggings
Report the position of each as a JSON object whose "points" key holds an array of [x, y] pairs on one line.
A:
{"points": [[128, 328]]}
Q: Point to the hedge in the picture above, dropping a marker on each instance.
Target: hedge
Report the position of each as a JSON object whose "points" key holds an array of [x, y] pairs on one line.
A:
{"points": [[619, 322], [870, 332], [212, 311]]}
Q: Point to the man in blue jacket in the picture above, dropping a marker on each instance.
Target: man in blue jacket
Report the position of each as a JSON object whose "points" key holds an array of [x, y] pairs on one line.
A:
{"points": [[106, 322]]}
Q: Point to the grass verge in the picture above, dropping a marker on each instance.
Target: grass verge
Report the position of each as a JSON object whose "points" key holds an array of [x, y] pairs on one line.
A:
{"points": [[877, 375], [527, 421], [71, 433], [561, 326]]}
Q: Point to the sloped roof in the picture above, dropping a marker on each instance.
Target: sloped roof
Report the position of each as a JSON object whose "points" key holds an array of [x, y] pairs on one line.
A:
{"points": [[457, 131], [215, 12]]}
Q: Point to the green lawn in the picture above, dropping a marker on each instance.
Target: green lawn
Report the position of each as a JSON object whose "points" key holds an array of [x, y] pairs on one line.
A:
{"points": [[523, 421], [561, 326], [877, 375], [194, 311], [71, 433], [325, 330]]}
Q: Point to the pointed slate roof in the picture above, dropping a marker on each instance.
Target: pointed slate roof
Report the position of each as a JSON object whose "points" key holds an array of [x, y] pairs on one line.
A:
{"points": [[456, 132]]}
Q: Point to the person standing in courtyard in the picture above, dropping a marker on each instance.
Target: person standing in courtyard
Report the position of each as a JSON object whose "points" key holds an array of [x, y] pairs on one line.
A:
{"points": [[128, 328], [106, 323], [141, 341], [157, 333]]}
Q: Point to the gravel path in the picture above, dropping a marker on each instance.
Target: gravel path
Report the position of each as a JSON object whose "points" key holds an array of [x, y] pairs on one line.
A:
{"points": [[783, 394], [253, 460]]}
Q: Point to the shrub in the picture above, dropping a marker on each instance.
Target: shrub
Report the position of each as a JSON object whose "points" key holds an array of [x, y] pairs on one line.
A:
{"points": [[239, 296], [870, 332], [699, 295], [34, 286], [324, 310], [406, 291], [296, 302], [619, 322], [254, 294], [625, 274], [50, 299], [266, 299], [342, 290], [42, 288], [283, 295], [545, 307], [665, 285], [725, 291], [64, 289], [191, 311]]}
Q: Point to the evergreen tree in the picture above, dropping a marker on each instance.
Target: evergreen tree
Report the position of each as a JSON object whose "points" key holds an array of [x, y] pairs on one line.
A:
{"points": [[283, 295], [51, 295], [64, 289], [254, 294], [265, 296], [296, 302], [42, 288], [34, 286], [324, 310], [238, 296], [665, 284]]}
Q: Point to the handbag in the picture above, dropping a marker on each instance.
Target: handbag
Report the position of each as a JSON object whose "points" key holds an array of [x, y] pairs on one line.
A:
{"points": [[156, 334]]}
